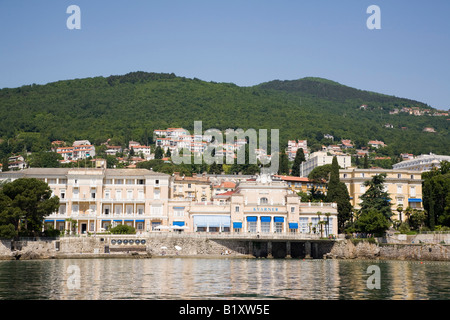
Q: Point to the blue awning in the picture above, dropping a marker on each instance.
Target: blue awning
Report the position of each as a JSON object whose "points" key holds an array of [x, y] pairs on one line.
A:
{"points": [[212, 221], [106, 220], [140, 220], [49, 220], [293, 225], [178, 223], [251, 218], [278, 219], [179, 208], [60, 220], [414, 200], [237, 225], [117, 220], [265, 219], [129, 220]]}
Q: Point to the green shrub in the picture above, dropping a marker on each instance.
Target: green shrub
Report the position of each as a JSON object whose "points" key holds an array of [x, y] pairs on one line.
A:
{"points": [[123, 229], [7, 231]]}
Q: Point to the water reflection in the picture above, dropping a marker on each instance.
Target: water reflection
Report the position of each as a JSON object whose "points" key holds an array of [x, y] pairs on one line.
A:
{"points": [[184, 278]]}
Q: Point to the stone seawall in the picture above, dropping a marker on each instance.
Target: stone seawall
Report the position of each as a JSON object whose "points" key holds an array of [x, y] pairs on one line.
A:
{"points": [[157, 246], [365, 250]]}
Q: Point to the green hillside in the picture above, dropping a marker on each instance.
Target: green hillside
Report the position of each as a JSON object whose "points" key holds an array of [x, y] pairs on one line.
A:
{"points": [[131, 106]]}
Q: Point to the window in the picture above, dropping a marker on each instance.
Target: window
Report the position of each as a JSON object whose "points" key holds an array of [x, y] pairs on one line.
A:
{"points": [[140, 210], [75, 209], [236, 209], [399, 188], [129, 194], [130, 181], [399, 175], [278, 227], [93, 193], [118, 194], [263, 200], [62, 181], [265, 226], [178, 212], [156, 183], [362, 188], [292, 209], [141, 181], [107, 194], [63, 194], [107, 210], [156, 210], [251, 226], [76, 193], [62, 210], [189, 185], [141, 194], [304, 225], [412, 191], [345, 175], [118, 210], [362, 174], [140, 226], [157, 194], [129, 209]]}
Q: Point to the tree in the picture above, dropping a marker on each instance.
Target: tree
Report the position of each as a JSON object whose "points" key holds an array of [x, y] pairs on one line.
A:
{"points": [[338, 192], [372, 221], [299, 158], [214, 169], [45, 160], [320, 174], [5, 164], [436, 195], [366, 162], [375, 197], [283, 164], [25, 203], [159, 153]]}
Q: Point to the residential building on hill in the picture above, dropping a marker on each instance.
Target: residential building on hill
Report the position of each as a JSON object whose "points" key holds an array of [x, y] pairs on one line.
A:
{"points": [[321, 158], [424, 162]]}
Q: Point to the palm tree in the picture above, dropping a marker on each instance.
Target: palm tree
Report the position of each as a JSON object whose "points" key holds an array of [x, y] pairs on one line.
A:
{"points": [[399, 210]]}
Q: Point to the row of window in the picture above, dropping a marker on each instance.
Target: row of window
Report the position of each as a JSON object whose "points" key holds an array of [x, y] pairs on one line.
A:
{"points": [[105, 181]]}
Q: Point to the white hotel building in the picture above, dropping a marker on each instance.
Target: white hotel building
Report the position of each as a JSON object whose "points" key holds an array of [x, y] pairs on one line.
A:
{"points": [[98, 198]]}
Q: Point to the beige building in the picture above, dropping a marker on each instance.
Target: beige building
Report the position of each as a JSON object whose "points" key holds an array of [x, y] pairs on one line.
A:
{"points": [[403, 186], [153, 202]]}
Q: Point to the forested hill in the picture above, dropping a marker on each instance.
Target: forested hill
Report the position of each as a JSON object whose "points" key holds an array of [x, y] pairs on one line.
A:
{"points": [[334, 91], [131, 106]]}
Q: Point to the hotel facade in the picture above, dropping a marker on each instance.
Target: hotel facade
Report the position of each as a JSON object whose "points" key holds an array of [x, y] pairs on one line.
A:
{"points": [[97, 199], [404, 187]]}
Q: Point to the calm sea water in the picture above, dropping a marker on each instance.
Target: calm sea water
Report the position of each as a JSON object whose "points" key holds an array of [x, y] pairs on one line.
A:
{"points": [[194, 278]]}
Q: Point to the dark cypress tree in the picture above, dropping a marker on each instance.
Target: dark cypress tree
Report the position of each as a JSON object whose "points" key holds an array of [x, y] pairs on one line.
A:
{"points": [[299, 158], [375, 197], [366, 162], [337, 192], [283, 164], [159, 153]]}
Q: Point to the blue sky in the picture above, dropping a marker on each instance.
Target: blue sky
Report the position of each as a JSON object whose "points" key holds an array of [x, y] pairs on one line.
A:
{"points": [[245, 42]]}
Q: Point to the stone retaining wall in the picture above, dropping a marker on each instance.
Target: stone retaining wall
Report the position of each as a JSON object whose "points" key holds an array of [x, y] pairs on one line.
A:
{"points": [[365, 250], [193, 246]]}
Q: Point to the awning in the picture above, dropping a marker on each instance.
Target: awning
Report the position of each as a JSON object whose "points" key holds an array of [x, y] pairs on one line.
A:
{"points": [[117, 220], [60, 220], [414, 200], [212, 221], [178, 223], [140, 220], [106, 220], [129, 220], [237, 225], [178, 208], [293, 225], [278, 219], [48, 221], [265, 219], [251, 219]]}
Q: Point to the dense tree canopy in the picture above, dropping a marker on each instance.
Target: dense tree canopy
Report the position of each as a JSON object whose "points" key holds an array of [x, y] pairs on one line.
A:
{"points": [[24, 203]]}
